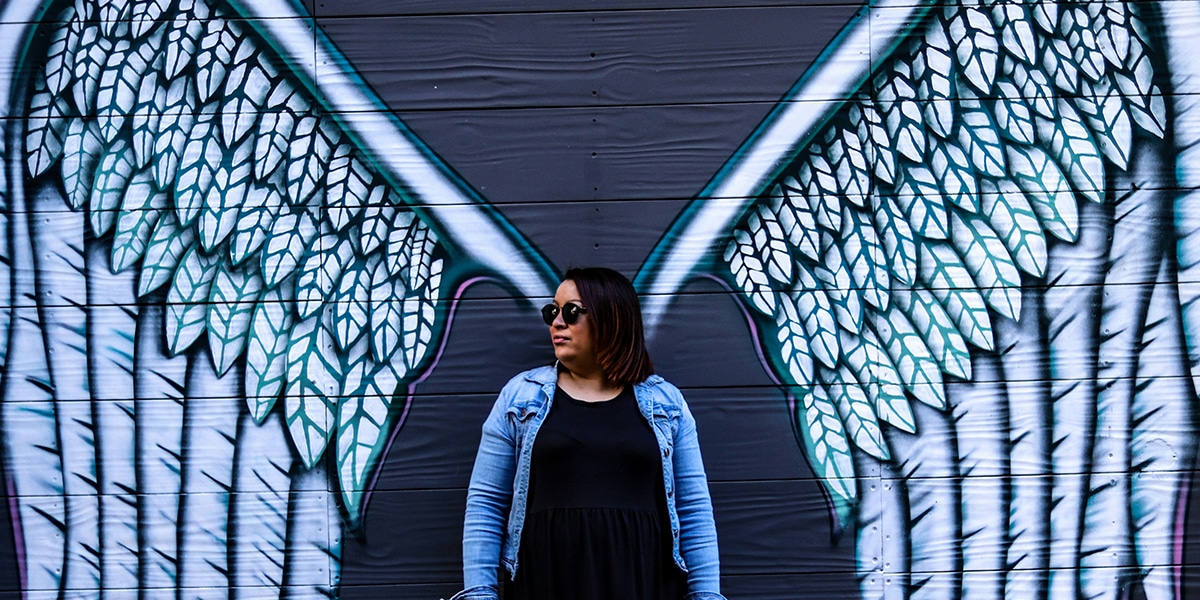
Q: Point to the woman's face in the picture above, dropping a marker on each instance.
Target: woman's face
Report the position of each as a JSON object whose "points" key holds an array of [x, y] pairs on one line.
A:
{"points": [[572, 343]]}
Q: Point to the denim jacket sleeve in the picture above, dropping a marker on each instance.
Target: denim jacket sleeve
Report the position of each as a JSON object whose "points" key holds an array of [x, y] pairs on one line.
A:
{"points": [[698, 530], [489, 497]]}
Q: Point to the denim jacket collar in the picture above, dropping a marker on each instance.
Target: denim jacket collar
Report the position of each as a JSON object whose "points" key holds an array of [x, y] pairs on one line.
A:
{"points": [[547, 378]]}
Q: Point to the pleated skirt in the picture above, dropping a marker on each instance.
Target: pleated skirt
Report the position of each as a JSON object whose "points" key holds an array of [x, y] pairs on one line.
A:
{"points": [[596, 554]]}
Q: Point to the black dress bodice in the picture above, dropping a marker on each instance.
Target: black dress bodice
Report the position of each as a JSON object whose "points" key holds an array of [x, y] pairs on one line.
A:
{"points": [[596, 525]]}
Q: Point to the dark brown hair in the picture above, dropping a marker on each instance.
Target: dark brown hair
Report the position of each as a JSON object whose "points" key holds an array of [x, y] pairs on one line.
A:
{"points": [[616, 319]]}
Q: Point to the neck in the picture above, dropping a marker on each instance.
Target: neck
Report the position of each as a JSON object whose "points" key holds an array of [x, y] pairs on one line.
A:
{"points": [[586, 384]]}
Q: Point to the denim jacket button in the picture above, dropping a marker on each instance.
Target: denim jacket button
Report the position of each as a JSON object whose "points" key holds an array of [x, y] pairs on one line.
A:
{"points": [[666, 452]]}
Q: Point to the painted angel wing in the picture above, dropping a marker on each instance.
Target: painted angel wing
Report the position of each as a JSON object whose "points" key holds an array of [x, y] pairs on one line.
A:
{"points": [[225, 275], [961, 241]]}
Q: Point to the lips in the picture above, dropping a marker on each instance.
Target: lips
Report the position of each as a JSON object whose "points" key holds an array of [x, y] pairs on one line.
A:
{"points": [[560, 339]]}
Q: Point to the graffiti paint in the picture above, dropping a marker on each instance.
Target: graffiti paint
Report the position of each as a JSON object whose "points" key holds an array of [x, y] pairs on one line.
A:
{"points": [[959, 247]]}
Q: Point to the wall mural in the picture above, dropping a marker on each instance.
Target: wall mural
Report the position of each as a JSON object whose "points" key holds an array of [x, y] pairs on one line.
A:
{"points": [[965, 245]]}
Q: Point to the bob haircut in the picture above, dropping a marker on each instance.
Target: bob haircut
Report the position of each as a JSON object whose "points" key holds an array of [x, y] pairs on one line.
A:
{"points": [[615, 316]]}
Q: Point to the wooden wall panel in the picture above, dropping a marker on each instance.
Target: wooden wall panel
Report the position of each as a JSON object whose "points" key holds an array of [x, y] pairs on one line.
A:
{"points": [[367, 8], [736, 425], [593, 58], [421, 457], [412, 536], [781, 587], [761, 524], [591, 130], [635, 157]]}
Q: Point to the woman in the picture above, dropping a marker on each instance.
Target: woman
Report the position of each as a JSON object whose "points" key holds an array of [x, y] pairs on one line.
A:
{"points": [[588, 484]]}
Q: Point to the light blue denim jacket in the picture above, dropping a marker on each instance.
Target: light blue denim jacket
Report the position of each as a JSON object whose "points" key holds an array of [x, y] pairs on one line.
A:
{"points": [[500, 484]]}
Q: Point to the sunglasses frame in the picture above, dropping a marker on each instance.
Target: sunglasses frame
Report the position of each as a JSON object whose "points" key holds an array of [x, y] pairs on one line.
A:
{"points": [[570, 312]]}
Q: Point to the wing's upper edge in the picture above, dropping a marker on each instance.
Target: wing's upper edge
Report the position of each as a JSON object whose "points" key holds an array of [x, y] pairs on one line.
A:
{"points": [[461, 214], [15, 19], [798, 116]]}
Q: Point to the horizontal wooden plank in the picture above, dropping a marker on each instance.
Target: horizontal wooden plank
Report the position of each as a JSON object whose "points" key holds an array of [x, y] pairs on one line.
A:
{"points": [[603, 153], [618, 234], [435, 448], [41, 31], [983, 528], [758, 587], [432, 591], [635, 153], [265, 592], [743, 436], [205, 531], [764, 527], [748, 527], [408, 537], [493, 338], [625, 240], [774, 527], [615, 153], [790, 586], [603, 58], [228, 11], [747, 435], [703, 341], [360, 8], [1118, 581], [702, 328]]}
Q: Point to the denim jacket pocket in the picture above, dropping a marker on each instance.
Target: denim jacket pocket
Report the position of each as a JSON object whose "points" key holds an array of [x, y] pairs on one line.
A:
{"points": [[527, 404], [521, 411], [519, 416], [667, 423]]}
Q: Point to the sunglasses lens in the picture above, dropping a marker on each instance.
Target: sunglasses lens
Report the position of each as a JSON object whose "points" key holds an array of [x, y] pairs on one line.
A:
{"points": [[571, 313]]}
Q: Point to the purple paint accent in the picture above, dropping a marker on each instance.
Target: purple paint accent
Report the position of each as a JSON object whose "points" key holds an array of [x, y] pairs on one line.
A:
{"points": [[412, 386], [446, 330], [14, 515], [835, 524], [1181, 504], [758, 348]]}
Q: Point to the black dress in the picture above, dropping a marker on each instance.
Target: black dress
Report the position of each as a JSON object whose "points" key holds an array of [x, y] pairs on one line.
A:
{"points": [[596, 525]]}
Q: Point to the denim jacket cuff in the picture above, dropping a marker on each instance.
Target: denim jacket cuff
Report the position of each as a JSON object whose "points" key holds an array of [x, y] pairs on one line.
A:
{"points": [[702, 596], [479, 592]]}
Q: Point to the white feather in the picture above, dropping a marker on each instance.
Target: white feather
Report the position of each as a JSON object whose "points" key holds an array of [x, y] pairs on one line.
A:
{"points": [[980, 412], [159, 384], [62, 293], [262, 482], [210, 419], [312, 565], [112, 327], [30, 425]]}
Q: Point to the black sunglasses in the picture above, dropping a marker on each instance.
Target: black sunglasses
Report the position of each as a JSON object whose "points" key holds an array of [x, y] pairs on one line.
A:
{"points": [[570, 312]]}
